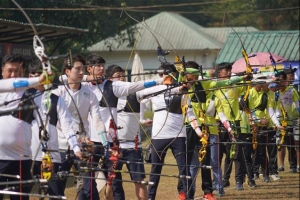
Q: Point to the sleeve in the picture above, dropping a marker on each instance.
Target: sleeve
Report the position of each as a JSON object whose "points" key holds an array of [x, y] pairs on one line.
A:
{"points": [[231, 81], [295, 96], [96, 117], [63, 78], [142, 110], [121, 88], [192, 119], [146, 92], [221, 115], [65, 121], [18, 84], [274, 115], [224, 121]]}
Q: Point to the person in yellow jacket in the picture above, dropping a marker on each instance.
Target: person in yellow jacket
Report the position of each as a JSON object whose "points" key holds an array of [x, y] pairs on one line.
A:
{"points": [[203, 107], [288, 98], [227, 106], [263, 110]]}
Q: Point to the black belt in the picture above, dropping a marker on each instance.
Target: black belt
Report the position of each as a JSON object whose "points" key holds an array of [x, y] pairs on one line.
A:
{"points": [[125, 111], [160, 109]]}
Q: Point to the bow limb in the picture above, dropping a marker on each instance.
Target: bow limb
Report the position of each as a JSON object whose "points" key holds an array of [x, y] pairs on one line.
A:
{"points": [[114, 147], [161, 57], [273, 62], [248, 66], [284, 125], [204, 141], [39, 50]]}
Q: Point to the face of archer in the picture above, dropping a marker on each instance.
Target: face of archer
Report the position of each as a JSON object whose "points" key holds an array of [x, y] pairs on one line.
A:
{"points": [[225, 73], [75, 74], [118, 76], [190, 78], [265, 87], [290, 77], [96, 70], [13, 70], [258, 88]]}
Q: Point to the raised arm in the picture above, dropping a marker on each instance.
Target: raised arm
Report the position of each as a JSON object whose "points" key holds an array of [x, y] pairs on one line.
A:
{"points": [[18, 84], [121, 88]]}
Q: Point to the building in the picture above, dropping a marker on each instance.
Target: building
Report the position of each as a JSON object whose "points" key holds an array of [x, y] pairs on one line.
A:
{"points": [[175, 33]]}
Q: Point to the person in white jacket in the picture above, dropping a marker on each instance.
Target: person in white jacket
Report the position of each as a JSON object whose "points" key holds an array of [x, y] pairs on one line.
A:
{"points": [[169, 131], [82, 103], [108, 92], [15, 133], [130, 117], [58, 114]]}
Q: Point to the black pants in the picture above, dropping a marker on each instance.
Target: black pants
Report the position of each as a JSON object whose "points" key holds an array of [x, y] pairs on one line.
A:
{"points": [[225, 149], [246, 155], [54, 186], [133, 156], [260, 158], [192, 143], [89, 190], [242, 157], [292, 155], [178, 149], [12, 167], [272, 152]]}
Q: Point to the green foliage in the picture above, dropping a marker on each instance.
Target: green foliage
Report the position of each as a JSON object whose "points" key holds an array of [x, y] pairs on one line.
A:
{"points": [[104, 23]]}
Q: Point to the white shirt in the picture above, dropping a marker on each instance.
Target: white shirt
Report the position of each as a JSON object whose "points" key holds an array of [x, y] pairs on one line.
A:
{"points": [[165, 124], [15, 134], [87, 104], [120, 88], [64, 121], [18, 84], [131, 125]]}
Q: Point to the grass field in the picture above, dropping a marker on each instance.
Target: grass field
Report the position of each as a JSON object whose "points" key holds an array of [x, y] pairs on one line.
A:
{"points": [[286, 188]]}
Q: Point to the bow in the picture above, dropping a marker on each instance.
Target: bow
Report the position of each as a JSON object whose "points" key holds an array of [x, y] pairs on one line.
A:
{"points": [[115, 154], [284, 125], [39, 50], [245, 97], [161, 57], [46, 166], [203, 140]]}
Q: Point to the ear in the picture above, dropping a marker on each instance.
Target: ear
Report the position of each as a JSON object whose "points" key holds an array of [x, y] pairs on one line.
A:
{"points": [[67, 71], [88, 69]]}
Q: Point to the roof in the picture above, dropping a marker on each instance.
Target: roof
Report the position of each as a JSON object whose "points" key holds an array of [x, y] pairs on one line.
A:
{"points": [[168, 28], [282, 43], [18, 32], [221, 33]]}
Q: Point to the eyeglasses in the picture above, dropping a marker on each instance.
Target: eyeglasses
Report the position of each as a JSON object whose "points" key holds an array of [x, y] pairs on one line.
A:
{"points": [[98, 65], [79, 68]]}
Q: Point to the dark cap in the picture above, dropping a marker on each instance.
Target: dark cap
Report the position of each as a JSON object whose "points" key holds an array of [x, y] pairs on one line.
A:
{"points": [[289, 70], [224, 66]]}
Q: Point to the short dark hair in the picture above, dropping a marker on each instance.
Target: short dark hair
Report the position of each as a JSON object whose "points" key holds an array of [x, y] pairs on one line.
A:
{"points": [[224, 65], [109, 72], [12, 58], [35, 66], [68, 63], [94, 59], [192, 64], [168, 67], [282, 75]]}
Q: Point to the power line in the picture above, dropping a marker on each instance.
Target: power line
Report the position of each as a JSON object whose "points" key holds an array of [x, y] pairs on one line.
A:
{"points": [[153, 11]]}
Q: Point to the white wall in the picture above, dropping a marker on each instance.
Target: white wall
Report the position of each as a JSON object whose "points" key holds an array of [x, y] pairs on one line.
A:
{"points": [[150, 61]]}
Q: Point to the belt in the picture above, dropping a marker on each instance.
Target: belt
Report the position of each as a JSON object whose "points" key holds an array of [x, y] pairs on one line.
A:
{"points": [[161, 109]]}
